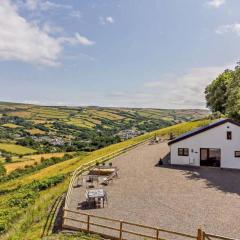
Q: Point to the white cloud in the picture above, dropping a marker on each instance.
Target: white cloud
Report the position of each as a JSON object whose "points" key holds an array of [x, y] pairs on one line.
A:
{"points": [[21, 40], [77, 39], [234, 28], [76, 14], [31, 4], [43, 5], [187, 90], [109, 19], [172, 91], [83, 40], [50, 28], [24, 41], [216, 3], [105, 20]]}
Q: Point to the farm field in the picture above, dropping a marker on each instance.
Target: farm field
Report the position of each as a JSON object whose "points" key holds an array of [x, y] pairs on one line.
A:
{"points": [[35, 192], [10, 125], [29, 160], [16, 149]]}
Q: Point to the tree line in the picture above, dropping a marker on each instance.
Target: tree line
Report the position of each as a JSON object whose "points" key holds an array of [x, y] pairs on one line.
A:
{"points": [[223, 94]]}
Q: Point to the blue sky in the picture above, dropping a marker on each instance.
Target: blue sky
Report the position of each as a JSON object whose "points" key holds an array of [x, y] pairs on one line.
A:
{"points": [[129, 53]]}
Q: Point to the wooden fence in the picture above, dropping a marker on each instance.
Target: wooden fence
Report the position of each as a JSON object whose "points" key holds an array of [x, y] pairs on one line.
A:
{"points": [[116, 229], [209, 236]]}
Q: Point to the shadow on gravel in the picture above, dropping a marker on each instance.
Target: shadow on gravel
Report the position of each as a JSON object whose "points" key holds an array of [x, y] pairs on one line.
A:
{"points": [[225, 180], [164, 161]]}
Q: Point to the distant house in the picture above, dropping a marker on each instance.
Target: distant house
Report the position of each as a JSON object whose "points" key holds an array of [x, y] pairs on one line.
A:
{"points": [[217, 144], [129, 133]]}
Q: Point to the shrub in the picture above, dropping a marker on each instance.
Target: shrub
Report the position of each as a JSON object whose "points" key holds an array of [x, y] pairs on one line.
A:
{"points": [[8, 159], [2, 170]]}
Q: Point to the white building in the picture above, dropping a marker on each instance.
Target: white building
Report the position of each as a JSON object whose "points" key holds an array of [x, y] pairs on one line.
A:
{"points": [[217, 144]]}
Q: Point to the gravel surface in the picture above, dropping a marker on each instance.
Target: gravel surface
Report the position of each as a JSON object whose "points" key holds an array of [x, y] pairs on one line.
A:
{"points": [[176, 198]]}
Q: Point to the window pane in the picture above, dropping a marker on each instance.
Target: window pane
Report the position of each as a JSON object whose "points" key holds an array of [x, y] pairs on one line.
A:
{"points": [[229, 135], [186, 152], [180, 151], [215, 154], [237, 153]]}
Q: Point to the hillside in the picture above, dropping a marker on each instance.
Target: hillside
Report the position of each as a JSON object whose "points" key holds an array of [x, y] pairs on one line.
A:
{"points": [[45, 129], [27, 199]]}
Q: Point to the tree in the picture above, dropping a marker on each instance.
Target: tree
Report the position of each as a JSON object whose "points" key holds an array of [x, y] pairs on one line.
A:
{"points": [[233, 102], [223, 94], [217, 92], [8, 159]]}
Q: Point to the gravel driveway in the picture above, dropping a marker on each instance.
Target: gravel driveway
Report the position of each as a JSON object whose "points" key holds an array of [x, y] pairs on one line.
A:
{"points": [[177, 198]]}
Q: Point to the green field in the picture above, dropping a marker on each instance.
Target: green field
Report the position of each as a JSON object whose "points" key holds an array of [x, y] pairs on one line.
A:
{"points": [[16, 149]]}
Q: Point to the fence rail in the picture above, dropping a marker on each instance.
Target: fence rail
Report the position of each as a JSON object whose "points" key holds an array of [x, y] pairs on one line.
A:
{"points": [[122, 227], [209, 236]]}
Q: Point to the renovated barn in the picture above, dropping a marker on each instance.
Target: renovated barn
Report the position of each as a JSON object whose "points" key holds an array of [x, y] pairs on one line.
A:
{"points": [[217, 144]]}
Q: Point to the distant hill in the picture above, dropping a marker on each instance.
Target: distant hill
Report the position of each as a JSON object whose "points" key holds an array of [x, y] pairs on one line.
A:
{"points": [[68, 129]]}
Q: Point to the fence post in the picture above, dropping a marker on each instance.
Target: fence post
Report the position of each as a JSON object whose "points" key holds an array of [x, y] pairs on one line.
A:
{"points": [[157, 234], [88, 223], [199, 234], [203, 235], [120, 232], [64, 214]]}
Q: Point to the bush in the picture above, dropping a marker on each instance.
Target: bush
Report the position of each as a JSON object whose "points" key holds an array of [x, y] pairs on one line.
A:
{"points": [[2, 170], [8, 159]]}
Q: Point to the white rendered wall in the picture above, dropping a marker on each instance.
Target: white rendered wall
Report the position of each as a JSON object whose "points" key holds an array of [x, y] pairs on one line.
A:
{"points": [[213, 138]]}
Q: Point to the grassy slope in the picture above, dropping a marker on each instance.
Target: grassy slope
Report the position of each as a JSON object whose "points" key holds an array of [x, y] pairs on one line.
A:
{"points": [[31, 224]]}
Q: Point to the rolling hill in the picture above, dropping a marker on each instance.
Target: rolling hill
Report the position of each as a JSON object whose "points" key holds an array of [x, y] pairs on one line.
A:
{"points": [[56, 129]]}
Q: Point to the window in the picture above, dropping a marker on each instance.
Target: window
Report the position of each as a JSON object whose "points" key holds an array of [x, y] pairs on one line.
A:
{"points": [[229, 135], [183, 152], [237, 154]]}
